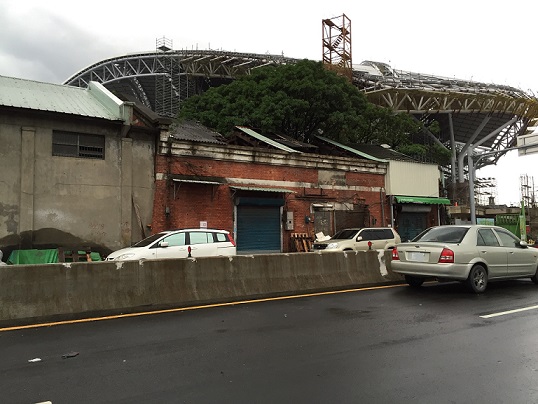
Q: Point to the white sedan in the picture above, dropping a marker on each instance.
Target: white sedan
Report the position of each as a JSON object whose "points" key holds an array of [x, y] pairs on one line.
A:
{"points": [[474, 254]]}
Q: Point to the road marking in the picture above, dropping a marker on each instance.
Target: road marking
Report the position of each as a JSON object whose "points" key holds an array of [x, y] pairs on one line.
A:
{"points": [[503, 313], [207, 306]]}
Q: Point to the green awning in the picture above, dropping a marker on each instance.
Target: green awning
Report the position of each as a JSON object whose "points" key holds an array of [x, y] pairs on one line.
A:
{"points": [[424, 200]]}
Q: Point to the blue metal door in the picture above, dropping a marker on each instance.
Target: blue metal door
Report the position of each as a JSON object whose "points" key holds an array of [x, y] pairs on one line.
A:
{"points": [[258, 229]]}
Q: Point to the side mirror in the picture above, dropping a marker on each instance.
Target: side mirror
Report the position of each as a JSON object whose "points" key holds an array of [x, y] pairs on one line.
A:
{"points": [[523, 244], [163, 244], [359, 238]]}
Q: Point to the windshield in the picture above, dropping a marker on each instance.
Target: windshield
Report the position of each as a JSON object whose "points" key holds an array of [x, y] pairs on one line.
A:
{"points": [[448, 234], [147, 241], [345, 234]]}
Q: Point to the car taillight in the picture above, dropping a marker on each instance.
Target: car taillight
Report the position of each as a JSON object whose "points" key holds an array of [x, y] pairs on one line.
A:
{"points": [[231, 240], [447, 256], [395, 256]]}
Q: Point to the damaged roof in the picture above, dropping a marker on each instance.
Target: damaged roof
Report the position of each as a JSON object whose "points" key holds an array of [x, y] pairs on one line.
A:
{"points": [[291, 142], [146, 111], [385, 153], [264, 139], [351, 149], [195, 132], [381, 153]]}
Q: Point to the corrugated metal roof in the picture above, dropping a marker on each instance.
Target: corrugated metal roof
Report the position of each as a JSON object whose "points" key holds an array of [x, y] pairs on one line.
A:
{"points": [[197, 181], [240, 188], [28, 94], [291, 142], [196, 132], [198, 178], [352, 150], [382, 152], [264, 139]]}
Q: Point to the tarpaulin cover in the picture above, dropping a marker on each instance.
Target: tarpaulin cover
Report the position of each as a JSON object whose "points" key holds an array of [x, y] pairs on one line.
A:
{"points": [[23, 257]]}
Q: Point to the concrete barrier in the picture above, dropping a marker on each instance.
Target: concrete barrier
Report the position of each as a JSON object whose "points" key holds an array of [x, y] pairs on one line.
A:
{"points": [[75, 290]]}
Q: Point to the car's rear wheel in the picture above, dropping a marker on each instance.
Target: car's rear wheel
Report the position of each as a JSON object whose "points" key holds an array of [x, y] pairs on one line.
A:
{"points": [[535, 277], [478, 279], [414, 281]]}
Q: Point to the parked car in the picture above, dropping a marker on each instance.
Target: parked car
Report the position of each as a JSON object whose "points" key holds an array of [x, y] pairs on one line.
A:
{"points": [[179, 244], [359, 239], [473, 254]]}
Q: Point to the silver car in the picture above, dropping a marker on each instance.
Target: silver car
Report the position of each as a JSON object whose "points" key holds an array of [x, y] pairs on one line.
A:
{"points": [[473, 254]]}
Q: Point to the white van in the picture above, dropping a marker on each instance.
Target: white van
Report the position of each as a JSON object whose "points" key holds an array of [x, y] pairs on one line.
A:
{"points": [[182, 243]]}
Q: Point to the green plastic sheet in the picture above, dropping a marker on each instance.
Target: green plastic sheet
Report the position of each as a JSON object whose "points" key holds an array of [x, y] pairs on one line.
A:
{"points": [[25, 257]]}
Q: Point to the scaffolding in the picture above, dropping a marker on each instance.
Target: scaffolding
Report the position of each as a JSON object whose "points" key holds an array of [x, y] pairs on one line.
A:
{"points": [[172, 85], [337, 45], [486, 191], [528, 191]]}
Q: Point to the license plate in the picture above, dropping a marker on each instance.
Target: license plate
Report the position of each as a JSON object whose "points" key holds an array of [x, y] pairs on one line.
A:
{"points": [[417, 256]]}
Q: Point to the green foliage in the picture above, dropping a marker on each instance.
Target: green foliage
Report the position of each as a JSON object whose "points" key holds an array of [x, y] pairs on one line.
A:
{"points": [[434, 127], [432, 153], [441, 155], [381, 125], [417, 151], [299, 100]]}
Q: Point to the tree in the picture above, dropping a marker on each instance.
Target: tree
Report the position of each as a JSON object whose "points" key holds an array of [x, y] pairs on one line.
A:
{"points": [[426, 150], [300, 100], [381, 125]]}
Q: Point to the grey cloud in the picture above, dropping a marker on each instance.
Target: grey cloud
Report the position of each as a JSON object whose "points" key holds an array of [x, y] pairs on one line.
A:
{"points": [[46, 48]]}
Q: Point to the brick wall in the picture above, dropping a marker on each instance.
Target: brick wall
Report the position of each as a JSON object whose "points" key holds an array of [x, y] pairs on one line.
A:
{"points": [[191, 203]]}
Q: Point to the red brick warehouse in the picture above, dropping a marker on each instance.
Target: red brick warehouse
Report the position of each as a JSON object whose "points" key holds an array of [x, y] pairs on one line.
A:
{"points": [[263, 194]]}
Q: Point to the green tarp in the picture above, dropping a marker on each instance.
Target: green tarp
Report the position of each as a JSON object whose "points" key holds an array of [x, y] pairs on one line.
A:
{"points": [[22, 257]]}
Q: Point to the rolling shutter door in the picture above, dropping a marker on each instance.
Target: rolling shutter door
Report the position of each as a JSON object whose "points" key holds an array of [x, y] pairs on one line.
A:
{"points": [[411, 224], [258, 229]]}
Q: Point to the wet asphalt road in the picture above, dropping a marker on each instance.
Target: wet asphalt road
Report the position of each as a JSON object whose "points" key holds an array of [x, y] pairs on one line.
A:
{"points": [[395, 345]]}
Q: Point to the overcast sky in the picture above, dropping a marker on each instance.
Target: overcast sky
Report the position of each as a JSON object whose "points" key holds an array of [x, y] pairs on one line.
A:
{"points": [[476, 40]]}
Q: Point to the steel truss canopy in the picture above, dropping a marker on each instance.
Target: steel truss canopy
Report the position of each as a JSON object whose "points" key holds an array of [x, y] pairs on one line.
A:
{"points": [[161, 80], [198, 63], [473, 116]]}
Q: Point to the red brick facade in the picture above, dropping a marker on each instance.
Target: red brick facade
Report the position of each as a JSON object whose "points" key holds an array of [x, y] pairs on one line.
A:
{"points": [[183, 204]]}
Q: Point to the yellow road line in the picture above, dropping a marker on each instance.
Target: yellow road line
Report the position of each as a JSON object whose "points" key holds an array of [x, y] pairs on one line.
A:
{"points": [[206, 306]]}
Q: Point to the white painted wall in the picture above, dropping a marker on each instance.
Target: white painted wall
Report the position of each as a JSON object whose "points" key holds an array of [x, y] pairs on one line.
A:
{"points": [[412, 179]]}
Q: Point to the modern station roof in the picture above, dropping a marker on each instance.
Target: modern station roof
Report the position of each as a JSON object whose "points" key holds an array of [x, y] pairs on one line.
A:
{"points": [[489, 115]]}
